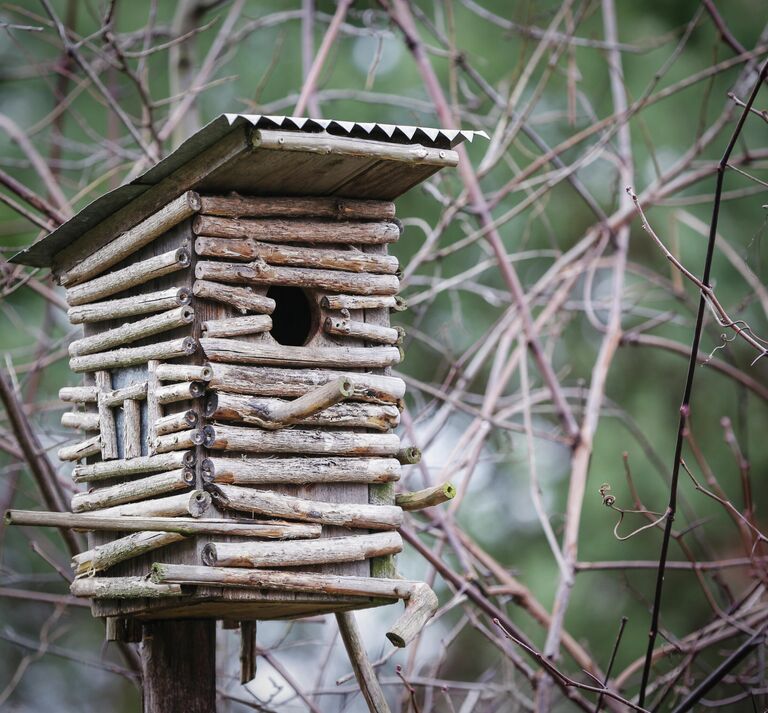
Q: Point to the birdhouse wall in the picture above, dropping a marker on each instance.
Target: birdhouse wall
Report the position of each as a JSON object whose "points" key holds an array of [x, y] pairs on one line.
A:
{"points": [[249, 264]]}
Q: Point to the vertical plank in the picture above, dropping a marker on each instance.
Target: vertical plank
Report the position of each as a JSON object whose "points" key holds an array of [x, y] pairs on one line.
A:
{"points": [[153, 406], [106, 417], [131, 428], [179, 666], [247, 651]]}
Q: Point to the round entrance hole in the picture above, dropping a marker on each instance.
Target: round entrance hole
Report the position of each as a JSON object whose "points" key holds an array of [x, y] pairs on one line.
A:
{"points": [[293, 318]]}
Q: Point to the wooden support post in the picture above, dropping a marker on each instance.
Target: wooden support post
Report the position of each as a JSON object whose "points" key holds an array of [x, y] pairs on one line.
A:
{"points": [[247, 651], [179, 666], [106, 417]]}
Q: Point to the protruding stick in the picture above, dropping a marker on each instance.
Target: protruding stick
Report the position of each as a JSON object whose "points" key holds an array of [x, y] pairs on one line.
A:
{"points": [[83, 449], [241, 298], [426, 498], [85, 421], [172, 393], [135, 274], [339, 302], [149, 487], [134, 466], [79, 394], [132, 240], [182, 440], [409, 455], [294, 554], [362, 330], [122, 588], [116, 397], [236, 206], [130, 306], [420, 607], [267, 529], [265, 502], [248, 651], [286, 413], [124, 548], [107, 426], [130, 356], [361, 665]]}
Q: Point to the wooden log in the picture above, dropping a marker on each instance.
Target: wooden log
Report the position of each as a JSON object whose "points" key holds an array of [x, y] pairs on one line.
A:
{"points": [[272, 230], [184, 372], [426, 498], [134, 466], [133, 331], [108, 555], [154, 410], [339, 302], [182, 440], [420, 607], [131, 356], [267, 529], [133, 491], [343, 357], [193, 503], [271, 413], [291, 256], [85, 421], [298, 553], [292, 383], [131, 428], [183, 391], [299, 471], [237, 206], [132, 240], [131, 276], [265, 502], [237, 326], [409, 455], [361, 665], [107, 426], [362, 330], [175, 422], [146, 303], [241, 298], [409, 154], [333, 584], [83, 449], [122, 588], [258, 272], [79, 394], [117, 397], [301, 441]]}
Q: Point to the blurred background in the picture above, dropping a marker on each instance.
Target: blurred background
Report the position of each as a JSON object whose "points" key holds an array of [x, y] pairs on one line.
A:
{"points": [[564, 142]]}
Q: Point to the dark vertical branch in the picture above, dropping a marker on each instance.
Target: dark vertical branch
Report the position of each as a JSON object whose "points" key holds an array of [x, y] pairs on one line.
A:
{"points": [[686, 403]]}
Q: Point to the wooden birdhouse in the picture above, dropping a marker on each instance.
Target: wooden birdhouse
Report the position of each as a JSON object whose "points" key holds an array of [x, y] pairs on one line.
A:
{"points": [[237, 409]]}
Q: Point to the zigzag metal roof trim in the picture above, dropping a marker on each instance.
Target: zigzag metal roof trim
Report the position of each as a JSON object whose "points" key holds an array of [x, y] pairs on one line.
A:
{"points": [[426, 136]]}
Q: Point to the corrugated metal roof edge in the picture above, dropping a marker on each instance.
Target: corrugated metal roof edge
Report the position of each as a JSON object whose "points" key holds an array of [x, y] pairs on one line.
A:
{"points": [[39, 253]]}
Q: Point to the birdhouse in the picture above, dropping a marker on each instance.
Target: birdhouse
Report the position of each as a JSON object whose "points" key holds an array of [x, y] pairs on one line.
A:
{"points": [[237, 409]]}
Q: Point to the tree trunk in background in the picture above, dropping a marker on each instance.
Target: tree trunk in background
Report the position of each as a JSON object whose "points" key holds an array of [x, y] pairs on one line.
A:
{"points": [[179, 666]]}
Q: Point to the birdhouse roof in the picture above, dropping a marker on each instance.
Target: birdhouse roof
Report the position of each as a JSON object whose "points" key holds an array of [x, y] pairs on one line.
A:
{"points": [[285, 156]]}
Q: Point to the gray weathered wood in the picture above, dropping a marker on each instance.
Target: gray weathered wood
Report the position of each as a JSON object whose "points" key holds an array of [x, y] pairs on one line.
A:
{"points": [[111, 553], [130, 306], [131, 428], [184, 372], [266, 471], [121, 588], [131, 356], [237, 206], [179, 441], [274, 230], [292, 256], [117, 397], [173, 393], [258, 272], [194, 503], [243, 299], [134, 466], [241, 352], [361, 330], [237, 326], [131, 276], [132, 491], [79, 394], [428, 497], [84, 420], [107, 426], [82, 449], [175, 422], [339, 302], [133, 239]]}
